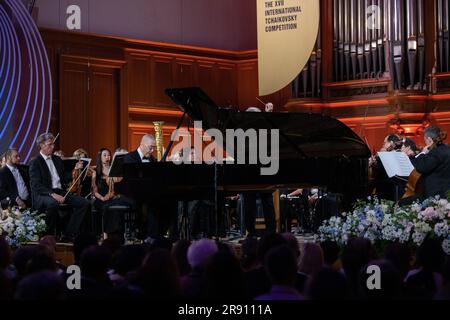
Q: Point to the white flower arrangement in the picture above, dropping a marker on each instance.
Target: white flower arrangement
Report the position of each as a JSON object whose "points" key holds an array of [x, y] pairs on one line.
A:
{"points": [[384, 221], [20, 227]]}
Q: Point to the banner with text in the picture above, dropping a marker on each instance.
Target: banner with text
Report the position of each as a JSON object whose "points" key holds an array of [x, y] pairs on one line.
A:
{"points": [[287, 32]]}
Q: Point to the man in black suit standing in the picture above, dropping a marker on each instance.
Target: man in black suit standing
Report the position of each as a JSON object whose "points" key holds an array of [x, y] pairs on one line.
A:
{"points": [[14, 182], [49, 188]]}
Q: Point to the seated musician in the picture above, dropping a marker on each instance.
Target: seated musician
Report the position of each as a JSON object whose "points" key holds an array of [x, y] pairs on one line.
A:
{"points": [[49, 188], [82, 185], [14, 182], [433, 163], [409, 148], [3, 160], [384, 187], [103, 191], [159, 213]]}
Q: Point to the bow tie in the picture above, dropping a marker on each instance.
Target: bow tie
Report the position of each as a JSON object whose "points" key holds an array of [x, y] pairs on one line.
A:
{"points": [[147, 158]]}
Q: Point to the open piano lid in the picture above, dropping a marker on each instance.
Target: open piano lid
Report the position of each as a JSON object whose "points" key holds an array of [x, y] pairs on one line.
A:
{"points": [[302, 135]]}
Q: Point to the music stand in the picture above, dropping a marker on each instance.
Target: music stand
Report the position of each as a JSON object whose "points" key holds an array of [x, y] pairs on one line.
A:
{"points": [[116, 169]]}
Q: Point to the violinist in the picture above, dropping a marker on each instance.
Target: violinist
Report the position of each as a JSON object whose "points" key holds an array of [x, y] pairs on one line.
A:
{"points": [[50, 189], [383, 186], [105, 196], [409, 148], [433, 163], [81, 186]]}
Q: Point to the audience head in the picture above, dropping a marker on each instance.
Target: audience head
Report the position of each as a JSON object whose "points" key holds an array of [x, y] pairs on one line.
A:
{"points": [[224, 277], [158, 276], [281, 266], [45, 285], [83, 241], [148, 144], [399, 254], [42, 259], [200, 252], [311, 259], [128, 258], [5, 254], [46, 143], [95, 262], [179, 253], [330, 251], [430, 255], [292, 243], [387, 287], [356, 254], [50, 242], [328, 284], [249, 253], [268, 242]]}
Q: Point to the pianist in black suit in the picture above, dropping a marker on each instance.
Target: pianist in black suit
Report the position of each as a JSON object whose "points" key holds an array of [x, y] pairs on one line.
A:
{"points": [[49, 186], [14, 182], [159, 214]]}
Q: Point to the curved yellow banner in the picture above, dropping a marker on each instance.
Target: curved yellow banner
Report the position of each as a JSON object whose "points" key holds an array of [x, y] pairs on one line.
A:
{"points": [[287, 32]]}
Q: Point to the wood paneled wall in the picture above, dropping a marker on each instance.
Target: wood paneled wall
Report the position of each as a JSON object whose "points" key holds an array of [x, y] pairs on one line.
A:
{"points": [[109, 90]]}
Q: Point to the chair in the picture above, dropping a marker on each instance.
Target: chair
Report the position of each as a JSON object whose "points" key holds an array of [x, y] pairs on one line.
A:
{"points": [[129, 220]]}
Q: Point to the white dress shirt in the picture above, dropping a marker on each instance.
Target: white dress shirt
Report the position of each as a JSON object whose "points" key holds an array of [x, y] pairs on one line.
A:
{"points": [[141, 154], [20, 183], [56, 180]]}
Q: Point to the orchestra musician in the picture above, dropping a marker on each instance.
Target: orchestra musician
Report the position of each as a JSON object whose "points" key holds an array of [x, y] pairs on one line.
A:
{"points": [[105, 196], [433, 164], [82, 185], [409, 148], [49, 188], [14, 182], [383, 186], [3, 160]]}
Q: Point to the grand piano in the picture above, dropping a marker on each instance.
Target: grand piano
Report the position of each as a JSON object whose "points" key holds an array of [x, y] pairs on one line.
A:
{"points": [[314, 151]]}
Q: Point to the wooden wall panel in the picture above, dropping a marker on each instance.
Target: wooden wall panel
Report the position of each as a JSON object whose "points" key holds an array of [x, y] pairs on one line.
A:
{"points": [[104, 106], [227, 85], [162, 78], [73, 107], [248, 84], [205, 77], [184, 73], [139, 71]]}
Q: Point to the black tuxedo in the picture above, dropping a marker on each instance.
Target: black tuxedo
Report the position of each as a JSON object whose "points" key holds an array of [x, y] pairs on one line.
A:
{"points": [[160, 214], [41, 189], [8, 185], [435, 170], [134, 157]]}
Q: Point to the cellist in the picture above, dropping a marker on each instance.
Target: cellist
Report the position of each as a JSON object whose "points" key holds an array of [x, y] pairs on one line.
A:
{"points": [[433, 164]]}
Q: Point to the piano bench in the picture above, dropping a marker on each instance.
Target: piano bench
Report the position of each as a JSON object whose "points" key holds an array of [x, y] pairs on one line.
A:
{"points": [[129, 216]]}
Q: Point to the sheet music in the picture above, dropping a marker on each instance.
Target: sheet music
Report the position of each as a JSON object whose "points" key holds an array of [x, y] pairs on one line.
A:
{"points": [[396, 164]]}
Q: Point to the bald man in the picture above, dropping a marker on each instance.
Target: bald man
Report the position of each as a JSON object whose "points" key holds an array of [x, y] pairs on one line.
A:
{"points": [[144, 153], [160, 213]]}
